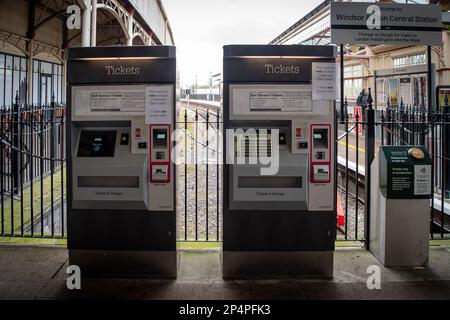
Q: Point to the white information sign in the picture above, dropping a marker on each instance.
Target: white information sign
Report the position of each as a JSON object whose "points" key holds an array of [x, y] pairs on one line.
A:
{"points": [[158, 104], [270, 100], [109, 100], [422, 180], [102, 101], [386, 23], [324, 81]]}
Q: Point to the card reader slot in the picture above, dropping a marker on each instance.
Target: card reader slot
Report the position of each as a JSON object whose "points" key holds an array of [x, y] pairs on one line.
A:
{"points": [[108, 182], [269, 182]]}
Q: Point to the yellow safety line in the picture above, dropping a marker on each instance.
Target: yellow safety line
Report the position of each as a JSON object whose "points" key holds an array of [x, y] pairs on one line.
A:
{"points": [[352, 146]]}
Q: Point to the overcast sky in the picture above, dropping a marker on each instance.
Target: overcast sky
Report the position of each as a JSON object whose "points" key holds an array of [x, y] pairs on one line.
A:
{"points": [[202, 27]]}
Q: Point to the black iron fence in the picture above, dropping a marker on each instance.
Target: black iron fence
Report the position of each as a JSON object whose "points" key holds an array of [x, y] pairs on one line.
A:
{"points": [[32, 171], [199, 194], [32, 167], [361, 133]]}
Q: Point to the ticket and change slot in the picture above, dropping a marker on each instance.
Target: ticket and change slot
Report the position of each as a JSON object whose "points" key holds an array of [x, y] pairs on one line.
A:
{"points": [[250, 190], [106, 173]]}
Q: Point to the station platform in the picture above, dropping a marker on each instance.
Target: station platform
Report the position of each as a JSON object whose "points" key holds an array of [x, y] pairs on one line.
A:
{"points": [[39, 273]]}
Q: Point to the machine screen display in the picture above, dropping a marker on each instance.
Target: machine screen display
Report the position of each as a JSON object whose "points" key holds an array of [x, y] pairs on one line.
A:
{"points": [[97, 144], [160, 137], [320, 138]]}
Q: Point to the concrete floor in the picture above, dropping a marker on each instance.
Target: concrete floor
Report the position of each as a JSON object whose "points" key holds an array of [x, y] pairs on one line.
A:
{"points": [[39, 273]]}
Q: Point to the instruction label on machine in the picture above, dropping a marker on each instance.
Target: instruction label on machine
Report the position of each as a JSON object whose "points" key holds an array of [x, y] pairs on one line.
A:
{"points": [[422, 180], [116, 101], [279, 101], [158, 104], [109, 101], [324, 81], [269, 101]]}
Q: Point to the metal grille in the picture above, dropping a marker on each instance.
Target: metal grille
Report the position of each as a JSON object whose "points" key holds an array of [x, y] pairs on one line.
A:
{"points": [[32, 171], [361, 133]]}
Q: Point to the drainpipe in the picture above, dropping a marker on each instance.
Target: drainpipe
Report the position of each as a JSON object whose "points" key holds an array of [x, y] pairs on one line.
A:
{"points": [[86, 27], [94, 24]]}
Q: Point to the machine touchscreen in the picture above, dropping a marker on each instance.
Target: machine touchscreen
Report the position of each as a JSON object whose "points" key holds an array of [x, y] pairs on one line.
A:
{"points": [[97, 144]]}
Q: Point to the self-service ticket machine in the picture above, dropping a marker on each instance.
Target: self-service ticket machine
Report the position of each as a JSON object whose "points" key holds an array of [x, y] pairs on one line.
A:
{"points": [[121, 203], [279, 212]]}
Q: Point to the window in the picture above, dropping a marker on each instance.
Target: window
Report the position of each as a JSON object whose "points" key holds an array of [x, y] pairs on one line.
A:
{"points": [[13, 80], [352, 81], [408, 61], [8, 80], [13, 75], [47, 82]]}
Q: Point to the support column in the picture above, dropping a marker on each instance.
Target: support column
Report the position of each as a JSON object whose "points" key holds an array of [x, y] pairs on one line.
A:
{"points": [[130, 30], [86, 25], [94, 24]]}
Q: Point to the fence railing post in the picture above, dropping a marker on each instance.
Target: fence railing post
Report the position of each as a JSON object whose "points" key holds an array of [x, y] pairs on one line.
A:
{"points": [[446, 115], [15, 168], [370, 155]]}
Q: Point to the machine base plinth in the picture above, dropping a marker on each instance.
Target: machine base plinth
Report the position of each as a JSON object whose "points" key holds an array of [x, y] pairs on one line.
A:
{"points": [[274, 265], [125, 264]]}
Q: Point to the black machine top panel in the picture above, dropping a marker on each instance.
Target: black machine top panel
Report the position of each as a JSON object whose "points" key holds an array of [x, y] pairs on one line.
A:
{"points": [[279, 50], [273, 63], [153, 64]]}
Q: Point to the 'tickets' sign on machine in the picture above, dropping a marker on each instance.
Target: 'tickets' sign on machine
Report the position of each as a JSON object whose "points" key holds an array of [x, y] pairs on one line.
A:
{"points": [[386, 23]]}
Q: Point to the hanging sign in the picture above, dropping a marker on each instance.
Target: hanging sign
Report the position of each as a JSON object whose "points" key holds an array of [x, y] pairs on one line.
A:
{"points": [[386, 23], [446, 21]]}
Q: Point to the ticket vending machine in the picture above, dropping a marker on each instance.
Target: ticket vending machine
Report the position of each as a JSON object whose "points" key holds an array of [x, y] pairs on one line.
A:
{"points": [[279, 211], [121, 202]]}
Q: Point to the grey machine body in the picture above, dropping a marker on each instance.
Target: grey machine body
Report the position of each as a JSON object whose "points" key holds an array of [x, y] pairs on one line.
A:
{"points": [[283, 224], [121, 218]]}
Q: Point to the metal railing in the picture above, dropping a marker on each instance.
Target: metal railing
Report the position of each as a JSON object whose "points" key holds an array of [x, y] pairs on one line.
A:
{"points": [[199, 177], [359, 137], [32, 171], [33, 177]]}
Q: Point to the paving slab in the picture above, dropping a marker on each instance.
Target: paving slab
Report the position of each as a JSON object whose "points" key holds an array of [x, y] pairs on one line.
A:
{"points": [[40, 273]]}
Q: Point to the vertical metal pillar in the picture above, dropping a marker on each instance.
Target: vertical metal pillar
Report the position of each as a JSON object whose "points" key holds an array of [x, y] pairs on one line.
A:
{"points": [[86, 25], [342, 81], [130, 30], [15, 145], [370, 156], [94, 24], [446, 115], [429, 82], [30, 35]]}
